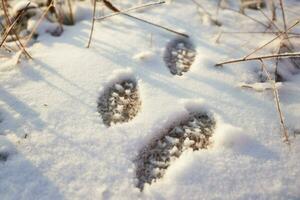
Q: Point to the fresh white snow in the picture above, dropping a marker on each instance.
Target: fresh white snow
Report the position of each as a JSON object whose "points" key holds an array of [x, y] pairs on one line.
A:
{"points": [[59, 148]]}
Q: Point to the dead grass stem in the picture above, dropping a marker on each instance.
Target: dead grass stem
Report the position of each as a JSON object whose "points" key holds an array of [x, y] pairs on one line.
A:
{"points": [[277, 102]]}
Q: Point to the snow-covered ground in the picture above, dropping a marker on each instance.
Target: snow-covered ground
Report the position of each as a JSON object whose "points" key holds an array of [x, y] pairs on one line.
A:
{"points": [[57, 147]]}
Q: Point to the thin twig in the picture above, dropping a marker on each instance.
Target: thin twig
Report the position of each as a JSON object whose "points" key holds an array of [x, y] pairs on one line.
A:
{"points": [[256, 32], [294, 36], [9, 29], [114, 9], [130, 9], [277, 102], [159, 26], [218, 8], [271, 22], [7, 48], [283, 14], [2, 26], [273, 10], [57, 14], [202, 8], [259, 48], [282, 55], [8, 22], [71, 12], [245, 15], [278, 29], [93, 24], [36, 26]]}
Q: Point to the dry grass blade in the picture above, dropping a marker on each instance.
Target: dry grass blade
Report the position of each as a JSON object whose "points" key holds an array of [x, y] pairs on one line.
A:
{"points": [[284, 33], [9, 22], [159, 26], [131, 9], [283, 55], [273, 10], [7, 48], [10, 28], [114, 9], [271, 21], [36, 25], [93, 24], [202, 8], [110, 6], [245, 15], [278, 107], [258, 32], [278, 29], [71, 12], [283, 14], [57, 14]]}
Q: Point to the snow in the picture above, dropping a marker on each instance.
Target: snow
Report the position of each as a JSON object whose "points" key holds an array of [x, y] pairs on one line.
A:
{"points": [[145, 55], [22, 5], [260, 87], [59, 148]]}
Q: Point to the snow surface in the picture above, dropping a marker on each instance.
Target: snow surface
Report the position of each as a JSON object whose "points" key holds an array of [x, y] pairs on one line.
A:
{"points": [[59, 148]]}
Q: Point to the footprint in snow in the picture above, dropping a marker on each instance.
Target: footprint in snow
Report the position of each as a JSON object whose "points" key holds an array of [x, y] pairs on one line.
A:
{"points": [[193, 132], [3, 156], [179, 55], [119, 103], [6, 149]]}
